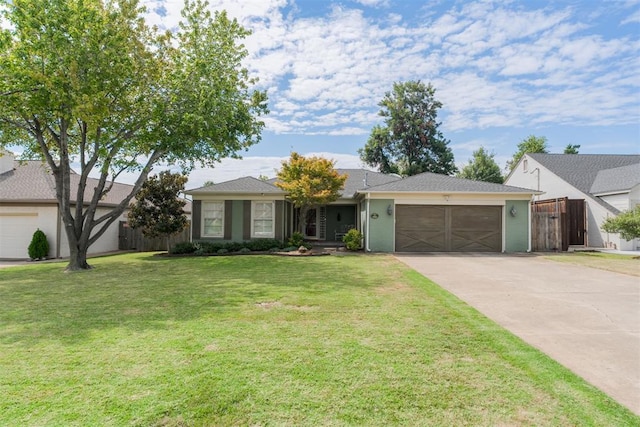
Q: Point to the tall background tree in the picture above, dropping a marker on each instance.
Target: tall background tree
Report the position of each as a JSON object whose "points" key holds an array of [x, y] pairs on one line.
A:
{"points": [[89, 82], [159, 210], [571, 149], [309, 181], [531, 144], [409, 142], [482, 167]]}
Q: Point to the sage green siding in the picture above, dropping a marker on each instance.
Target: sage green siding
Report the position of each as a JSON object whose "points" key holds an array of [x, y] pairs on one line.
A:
{"points": [[236, 220], [517, 227], [381, 229]]}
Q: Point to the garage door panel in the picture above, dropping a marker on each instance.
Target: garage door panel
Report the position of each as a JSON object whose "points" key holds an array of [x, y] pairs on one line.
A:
{"points": [[422, 228], [476, 242], [421, 242]]}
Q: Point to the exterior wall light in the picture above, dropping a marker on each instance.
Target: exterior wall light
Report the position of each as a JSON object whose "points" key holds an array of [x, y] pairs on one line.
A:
{"points": [[389, 210], [513, 211]]}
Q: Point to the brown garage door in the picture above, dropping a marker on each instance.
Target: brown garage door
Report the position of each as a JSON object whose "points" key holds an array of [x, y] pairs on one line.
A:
{"points": [[448, 228]]}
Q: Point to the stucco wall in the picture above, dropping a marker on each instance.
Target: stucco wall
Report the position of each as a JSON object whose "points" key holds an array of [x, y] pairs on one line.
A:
{"points": [[381, 226], [516, 227], [237, 215]]}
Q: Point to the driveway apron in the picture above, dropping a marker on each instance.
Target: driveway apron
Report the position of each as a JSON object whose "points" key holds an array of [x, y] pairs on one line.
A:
{"points": [[586, 319]]}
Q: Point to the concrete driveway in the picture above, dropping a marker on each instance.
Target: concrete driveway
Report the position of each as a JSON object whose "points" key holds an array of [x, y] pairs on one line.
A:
{"points": [[586, 319]]}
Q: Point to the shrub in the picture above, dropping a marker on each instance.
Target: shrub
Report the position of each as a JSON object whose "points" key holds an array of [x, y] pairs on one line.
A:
{"points": [[39, 247], [222, 251], [233, 246], [626, 223], [183, 248], [296, 239], [244, 250], [263, 244], [353, 240]]}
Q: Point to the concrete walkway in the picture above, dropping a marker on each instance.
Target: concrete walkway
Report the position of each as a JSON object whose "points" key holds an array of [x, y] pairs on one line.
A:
{"points": [[586, 319]]}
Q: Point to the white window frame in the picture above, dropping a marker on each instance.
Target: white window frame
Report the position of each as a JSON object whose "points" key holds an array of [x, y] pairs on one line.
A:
{"points": [[204, 209], [272, 234]]}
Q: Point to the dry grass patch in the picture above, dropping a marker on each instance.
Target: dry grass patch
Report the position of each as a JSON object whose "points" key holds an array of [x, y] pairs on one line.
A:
{"points": [[625, 264]]}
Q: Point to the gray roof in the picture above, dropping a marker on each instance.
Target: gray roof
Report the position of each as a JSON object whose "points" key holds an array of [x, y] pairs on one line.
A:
{"points": [[32, 181], [244, 185], [428, 182], [581, 170], [356, 180], [623, 178], [360, 179]]}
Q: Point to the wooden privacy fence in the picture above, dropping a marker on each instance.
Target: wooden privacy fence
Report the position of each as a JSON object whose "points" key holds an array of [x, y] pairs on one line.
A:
{"points": [[557, 223], [132, 239]]}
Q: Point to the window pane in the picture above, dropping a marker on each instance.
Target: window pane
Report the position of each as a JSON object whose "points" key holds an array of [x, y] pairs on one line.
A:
{"points": [[213, 214], [263, 213]]}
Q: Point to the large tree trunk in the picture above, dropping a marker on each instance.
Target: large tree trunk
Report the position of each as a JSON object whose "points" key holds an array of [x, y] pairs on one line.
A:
{"points": [[302, 219], [78, 259]]}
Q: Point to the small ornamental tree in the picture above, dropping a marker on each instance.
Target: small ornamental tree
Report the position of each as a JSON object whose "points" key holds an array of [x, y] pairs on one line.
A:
{"points": [[309, 181], [158, 209], [39, 246], [627, 224]]}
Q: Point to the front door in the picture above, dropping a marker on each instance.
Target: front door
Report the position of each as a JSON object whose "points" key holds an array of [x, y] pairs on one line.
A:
{"points": [[311, 224]]}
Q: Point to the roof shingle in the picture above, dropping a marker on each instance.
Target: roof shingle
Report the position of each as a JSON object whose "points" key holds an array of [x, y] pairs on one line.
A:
{"points": [[437, 183], [581, 170], [244, 185]]}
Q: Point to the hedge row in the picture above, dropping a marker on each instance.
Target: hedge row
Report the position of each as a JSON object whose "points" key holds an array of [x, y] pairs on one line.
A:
{"points": [[201, 248]]}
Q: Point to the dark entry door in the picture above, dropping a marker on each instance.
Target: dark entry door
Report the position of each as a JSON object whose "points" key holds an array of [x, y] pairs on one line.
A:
{"points": [[576, 220]]}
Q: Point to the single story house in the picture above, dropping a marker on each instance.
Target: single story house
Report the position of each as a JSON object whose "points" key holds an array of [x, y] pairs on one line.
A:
{"points": [[607, 184], [422, 213], [28, 202]]}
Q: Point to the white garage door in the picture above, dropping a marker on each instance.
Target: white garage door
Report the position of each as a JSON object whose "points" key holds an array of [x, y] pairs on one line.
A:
{"points": [[16, 230]]}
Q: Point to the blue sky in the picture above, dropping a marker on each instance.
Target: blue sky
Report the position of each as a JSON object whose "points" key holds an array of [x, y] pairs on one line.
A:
{"points": [[566, 70], [504, 70]]}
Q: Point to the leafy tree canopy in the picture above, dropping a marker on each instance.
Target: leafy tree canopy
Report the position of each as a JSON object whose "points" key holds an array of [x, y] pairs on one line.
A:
{"points": [[159, 209], [310, 181], [531, 144], [482, 167], [409, 142], [627, 224], [571, 149], [89, 82]]}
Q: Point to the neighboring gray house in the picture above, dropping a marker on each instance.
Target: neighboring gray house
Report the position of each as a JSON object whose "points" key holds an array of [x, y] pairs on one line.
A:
{"points": [[28, 202], [608, 183], [422, 213]]}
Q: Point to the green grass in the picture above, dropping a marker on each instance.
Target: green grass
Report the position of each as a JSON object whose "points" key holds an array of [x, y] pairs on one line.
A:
{"points": [[626, 264], [262, 340]]}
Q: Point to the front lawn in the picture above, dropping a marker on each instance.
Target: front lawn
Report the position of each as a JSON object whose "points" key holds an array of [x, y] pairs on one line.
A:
{"points": [[264, 340], [625, 264]]}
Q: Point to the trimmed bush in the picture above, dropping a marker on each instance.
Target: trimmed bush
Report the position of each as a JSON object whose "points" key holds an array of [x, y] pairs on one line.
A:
{"points": [[353, 240], [263, 245], [183, 248], [296, 239], [39, 246]]}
